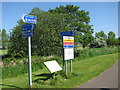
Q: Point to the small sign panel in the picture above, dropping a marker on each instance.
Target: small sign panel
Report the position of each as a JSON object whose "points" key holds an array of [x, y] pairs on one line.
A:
{"points": [[27, 27], [29, 18], [53, 66], [68, 53], [68, 42], [27, 34], [67, 33]]}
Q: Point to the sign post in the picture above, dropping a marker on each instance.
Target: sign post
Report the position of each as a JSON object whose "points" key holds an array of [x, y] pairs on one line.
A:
{"points": [[29, 62], [66, 67], [27, 32], [68, 48], [70, 65]]}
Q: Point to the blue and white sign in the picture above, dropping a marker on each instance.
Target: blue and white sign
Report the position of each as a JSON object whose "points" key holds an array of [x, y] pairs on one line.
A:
{"points": [[27, 27], [67, 33], [29, 19], [68, 42], [68, 46], [27, 34]]}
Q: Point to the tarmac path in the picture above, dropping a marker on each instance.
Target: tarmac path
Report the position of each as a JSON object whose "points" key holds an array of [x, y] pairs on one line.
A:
{"points": [[107, 79]]}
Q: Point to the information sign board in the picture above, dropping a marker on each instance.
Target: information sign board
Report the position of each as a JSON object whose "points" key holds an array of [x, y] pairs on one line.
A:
{"points": [[68, 42], [53, 66], [68, 53], [66, 33], [27, 27], [29, 18], [27, 34]]}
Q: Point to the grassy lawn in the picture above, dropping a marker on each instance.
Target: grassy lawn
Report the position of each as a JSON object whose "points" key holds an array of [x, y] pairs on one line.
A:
{"points": [[83, 70]]}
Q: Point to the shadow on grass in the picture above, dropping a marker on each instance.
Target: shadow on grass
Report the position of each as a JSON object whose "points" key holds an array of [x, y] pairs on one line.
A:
{"points": [[44, 76], [10, 86]]}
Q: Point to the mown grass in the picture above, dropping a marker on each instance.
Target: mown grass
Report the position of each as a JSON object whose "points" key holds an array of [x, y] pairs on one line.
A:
{"points": [[15, 67], [83, 70]]}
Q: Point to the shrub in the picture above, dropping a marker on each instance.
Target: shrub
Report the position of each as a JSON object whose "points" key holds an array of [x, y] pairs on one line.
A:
{"points": [[91, 52], [98, 43]]}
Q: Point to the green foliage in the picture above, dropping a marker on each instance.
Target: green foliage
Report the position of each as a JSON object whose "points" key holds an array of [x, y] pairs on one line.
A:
{"points": [[118, 40], [87, 39], [3, 52], [101, 35], [15, 70], [111, 34], [56, 80], [77, 20], [4, 39], [92, 52], [98, 43], [19, 67], [83, 70], [46, 40], [112, 41]]}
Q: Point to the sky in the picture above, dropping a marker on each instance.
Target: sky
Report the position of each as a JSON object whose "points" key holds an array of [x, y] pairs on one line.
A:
{"points": [[104, 15]]}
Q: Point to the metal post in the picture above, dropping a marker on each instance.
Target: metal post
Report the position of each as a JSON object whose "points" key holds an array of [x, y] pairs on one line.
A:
{"points": [[70, 65], [66, 66], [63, 61], [29, 62], [63, 58]]}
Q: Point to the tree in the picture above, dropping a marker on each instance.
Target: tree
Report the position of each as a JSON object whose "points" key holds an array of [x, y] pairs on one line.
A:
{"points": [[118, 40], [76, 20], [98, 43], [87, 39], [111, 41], [111, 34], [101, 35], [45, 41], [4, 38], [18, 44]]}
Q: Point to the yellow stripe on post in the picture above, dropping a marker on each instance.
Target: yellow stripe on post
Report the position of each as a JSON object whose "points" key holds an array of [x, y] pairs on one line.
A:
{"points": [[68, 40]]}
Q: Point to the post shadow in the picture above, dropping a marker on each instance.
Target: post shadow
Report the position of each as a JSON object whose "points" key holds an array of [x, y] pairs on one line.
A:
{"points": [[11, 86], [43, 76]]}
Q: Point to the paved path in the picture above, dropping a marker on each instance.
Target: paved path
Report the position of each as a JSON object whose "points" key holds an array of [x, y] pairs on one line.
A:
{"points": [[108, 79]]}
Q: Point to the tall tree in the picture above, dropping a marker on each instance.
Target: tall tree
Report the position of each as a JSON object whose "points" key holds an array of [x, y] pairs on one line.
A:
{"points": [[45, 40], [18, 44], [111, 34], [76, 20], [5, 38], [111, 41], [101, 35]]}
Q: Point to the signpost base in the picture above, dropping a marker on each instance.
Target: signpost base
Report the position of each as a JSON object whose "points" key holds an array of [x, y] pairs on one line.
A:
{"points": [[66, 67], [71, 66]]}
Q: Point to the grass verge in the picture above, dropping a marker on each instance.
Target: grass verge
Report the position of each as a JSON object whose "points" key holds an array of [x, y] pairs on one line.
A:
{"points": [[83, 71]]}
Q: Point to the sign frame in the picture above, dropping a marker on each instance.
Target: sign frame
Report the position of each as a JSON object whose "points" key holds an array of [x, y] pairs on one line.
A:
{"points": [[67, 33], [28, 27]]}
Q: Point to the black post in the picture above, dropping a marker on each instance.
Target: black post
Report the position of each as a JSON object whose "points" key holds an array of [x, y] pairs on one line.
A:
{"points": [[63, 57]]}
